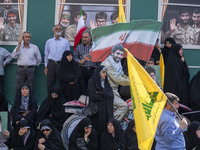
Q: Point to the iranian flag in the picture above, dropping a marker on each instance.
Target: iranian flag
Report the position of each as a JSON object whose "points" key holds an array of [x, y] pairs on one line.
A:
{"points": [[138, 36], [79, 30]]}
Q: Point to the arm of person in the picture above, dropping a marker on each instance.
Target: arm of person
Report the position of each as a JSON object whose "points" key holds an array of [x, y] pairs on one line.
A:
{"points": [[116, 77], [7, 57], [92, 141], [77, 55], [167, 130], [38, 56], [16, 51], [93, 96], [33, 111]]}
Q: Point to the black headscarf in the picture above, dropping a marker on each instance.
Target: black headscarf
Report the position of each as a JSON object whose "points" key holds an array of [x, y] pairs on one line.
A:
{"points": [[166, 50], [177, 75], [192, 139], [109, 142], [54, 107], [131, 137], [32, 106], [68, 71], [54, 140], [79, 132], [96, 77]]}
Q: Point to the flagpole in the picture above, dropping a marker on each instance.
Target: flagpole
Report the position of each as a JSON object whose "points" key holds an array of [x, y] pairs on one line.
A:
{"points": [[176, 112]]}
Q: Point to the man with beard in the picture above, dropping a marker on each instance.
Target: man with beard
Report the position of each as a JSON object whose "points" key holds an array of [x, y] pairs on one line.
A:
{"points": [[70, 31], [64, 21], [117, 77], [196, 25], [4, 12], [12, 30], [53, 52], [182, 33], [87, 67]]}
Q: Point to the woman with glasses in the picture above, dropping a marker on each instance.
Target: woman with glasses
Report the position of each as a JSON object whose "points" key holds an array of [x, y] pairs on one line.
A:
{"points": [[48, 137]]}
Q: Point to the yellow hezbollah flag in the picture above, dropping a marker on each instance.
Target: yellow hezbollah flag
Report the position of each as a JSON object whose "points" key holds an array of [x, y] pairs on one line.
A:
{"points": [[121, 15], [162, 70], [148, 102]]}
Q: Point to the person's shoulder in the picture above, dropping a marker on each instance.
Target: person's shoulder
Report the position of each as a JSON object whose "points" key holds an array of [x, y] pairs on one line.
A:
{"points": [[49, 40], [71, 27], [63, 39], [3, 49], [106, 63]]}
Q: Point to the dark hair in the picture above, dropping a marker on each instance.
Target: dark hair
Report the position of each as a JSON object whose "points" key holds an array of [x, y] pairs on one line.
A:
{"points": [[26, 32], [87, 31], [171, 97], [83, 13], [183, 11], [118, 47], [12, 12], [150, 69], [114, 16], [196, 11], [101, 15]]}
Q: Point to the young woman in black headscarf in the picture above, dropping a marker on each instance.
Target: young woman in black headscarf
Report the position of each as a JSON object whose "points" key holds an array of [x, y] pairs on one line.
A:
{"points": [[22, 138], [177, 74], [48, 137], [52, 108], [113, 138], [100, 93], [70, 77], [169, 42], [25, 105], [83, 136], [131, 137]]}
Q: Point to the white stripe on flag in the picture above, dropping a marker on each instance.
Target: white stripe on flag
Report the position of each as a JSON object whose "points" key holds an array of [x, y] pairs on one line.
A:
{"points": [[146, 37]]}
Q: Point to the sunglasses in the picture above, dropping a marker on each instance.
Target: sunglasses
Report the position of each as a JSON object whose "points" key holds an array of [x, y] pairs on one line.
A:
{"points": [[58, 28], [46, 130]]}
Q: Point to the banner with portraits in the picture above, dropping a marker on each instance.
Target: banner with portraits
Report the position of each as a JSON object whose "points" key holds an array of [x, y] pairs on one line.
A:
{"points": [[181, 21]]}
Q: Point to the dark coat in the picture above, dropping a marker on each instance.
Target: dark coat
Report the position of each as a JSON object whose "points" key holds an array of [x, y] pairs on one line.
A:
{"points": [[32, 107], [79, 132], [177, 75], [108, 142], [70, 72], [53, 109], [166, 50], [54, 141], [131, 137], [3, 102], [17, 142], [194, 96], [103, 97]]}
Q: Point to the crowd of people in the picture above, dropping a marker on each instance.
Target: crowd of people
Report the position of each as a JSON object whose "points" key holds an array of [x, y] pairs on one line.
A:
{"points": [[40, 128]]}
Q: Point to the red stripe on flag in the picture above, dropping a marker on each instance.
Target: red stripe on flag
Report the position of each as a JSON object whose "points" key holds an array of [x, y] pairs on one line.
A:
{"points": [[78, 37], [137, 49]]}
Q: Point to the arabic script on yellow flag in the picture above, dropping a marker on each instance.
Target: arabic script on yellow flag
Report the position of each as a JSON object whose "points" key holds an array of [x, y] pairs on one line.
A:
{"points": [[148, 102]]}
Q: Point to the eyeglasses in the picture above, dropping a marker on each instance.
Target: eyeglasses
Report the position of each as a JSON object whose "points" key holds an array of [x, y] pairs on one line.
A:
{"points": [[46, 130], [58, 28]]}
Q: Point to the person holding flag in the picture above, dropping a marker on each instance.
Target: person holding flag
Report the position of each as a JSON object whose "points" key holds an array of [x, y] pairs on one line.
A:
{"points": [[169, 134], [73, 33]]}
